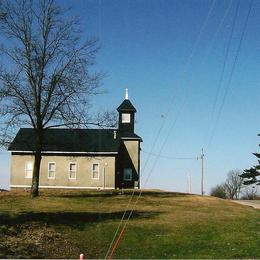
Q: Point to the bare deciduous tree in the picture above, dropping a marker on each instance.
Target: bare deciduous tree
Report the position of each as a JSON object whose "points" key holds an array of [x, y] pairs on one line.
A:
{"points": [[46, 79], [233, 184]]}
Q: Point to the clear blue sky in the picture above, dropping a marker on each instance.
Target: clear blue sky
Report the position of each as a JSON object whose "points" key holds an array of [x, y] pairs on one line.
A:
{"points": [[170, 55]]}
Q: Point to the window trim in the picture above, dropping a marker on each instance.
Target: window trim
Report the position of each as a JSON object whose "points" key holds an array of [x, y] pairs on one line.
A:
{"points": [[128, 119], [75, 171], [25, 169], [131, 174], [92, 172], [54, 170]]}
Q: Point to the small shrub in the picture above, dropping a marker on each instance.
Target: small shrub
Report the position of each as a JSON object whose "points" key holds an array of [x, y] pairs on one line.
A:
{"points": [[219, 192]]}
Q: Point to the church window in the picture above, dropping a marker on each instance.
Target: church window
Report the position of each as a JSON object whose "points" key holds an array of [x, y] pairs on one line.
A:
{"points": [[51, 170], [126, 118], [72, 170], [28, 169], [128, 174], [95, 171]]}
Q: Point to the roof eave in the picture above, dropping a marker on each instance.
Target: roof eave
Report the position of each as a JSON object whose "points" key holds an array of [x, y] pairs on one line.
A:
{"points": [[132, 138], [65, 152]]}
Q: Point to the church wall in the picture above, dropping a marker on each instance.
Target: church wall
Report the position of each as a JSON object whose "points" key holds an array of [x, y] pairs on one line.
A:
{"points": [[84, 172], [132, 148], [128, 158]]}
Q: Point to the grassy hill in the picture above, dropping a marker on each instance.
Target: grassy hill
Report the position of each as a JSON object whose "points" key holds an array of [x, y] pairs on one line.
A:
{"points": [[164, 225]]}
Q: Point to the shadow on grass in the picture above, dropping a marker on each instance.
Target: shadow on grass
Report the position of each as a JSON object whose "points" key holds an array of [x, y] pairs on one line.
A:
{"points": [[97, 194], [87, 195], [73, 219], [165, 194]]}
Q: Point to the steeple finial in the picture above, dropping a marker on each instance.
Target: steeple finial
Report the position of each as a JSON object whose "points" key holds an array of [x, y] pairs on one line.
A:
{"points": [[126, 93]]}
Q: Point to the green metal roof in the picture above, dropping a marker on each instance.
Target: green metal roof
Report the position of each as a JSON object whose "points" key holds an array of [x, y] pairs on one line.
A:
{"points": [[126, 106], [71, 140], [68, 140]]}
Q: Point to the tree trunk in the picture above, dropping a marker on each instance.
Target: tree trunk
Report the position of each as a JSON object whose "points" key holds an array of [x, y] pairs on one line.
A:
{"points": [[36, 174], [37, 163]]}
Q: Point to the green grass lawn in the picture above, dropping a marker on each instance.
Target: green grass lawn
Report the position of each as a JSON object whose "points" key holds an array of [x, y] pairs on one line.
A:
{"points": [[163, 225]]}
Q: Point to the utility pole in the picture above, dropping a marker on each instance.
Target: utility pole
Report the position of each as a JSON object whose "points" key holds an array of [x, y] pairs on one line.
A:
{"points": [[189, 182], [202, 171]]}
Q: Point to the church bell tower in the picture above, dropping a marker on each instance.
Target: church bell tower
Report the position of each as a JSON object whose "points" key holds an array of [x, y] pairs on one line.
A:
{"points": [[126, 116]]}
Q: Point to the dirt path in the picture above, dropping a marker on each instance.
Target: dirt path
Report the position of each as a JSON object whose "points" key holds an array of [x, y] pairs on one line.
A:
{"points": [[253, 203]]}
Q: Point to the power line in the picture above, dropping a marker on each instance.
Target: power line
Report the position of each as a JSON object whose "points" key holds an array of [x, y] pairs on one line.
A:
{"points": [[220, 82], [231, 73], [217, 31], [225, 60], [170, 157], [236, 57]]}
